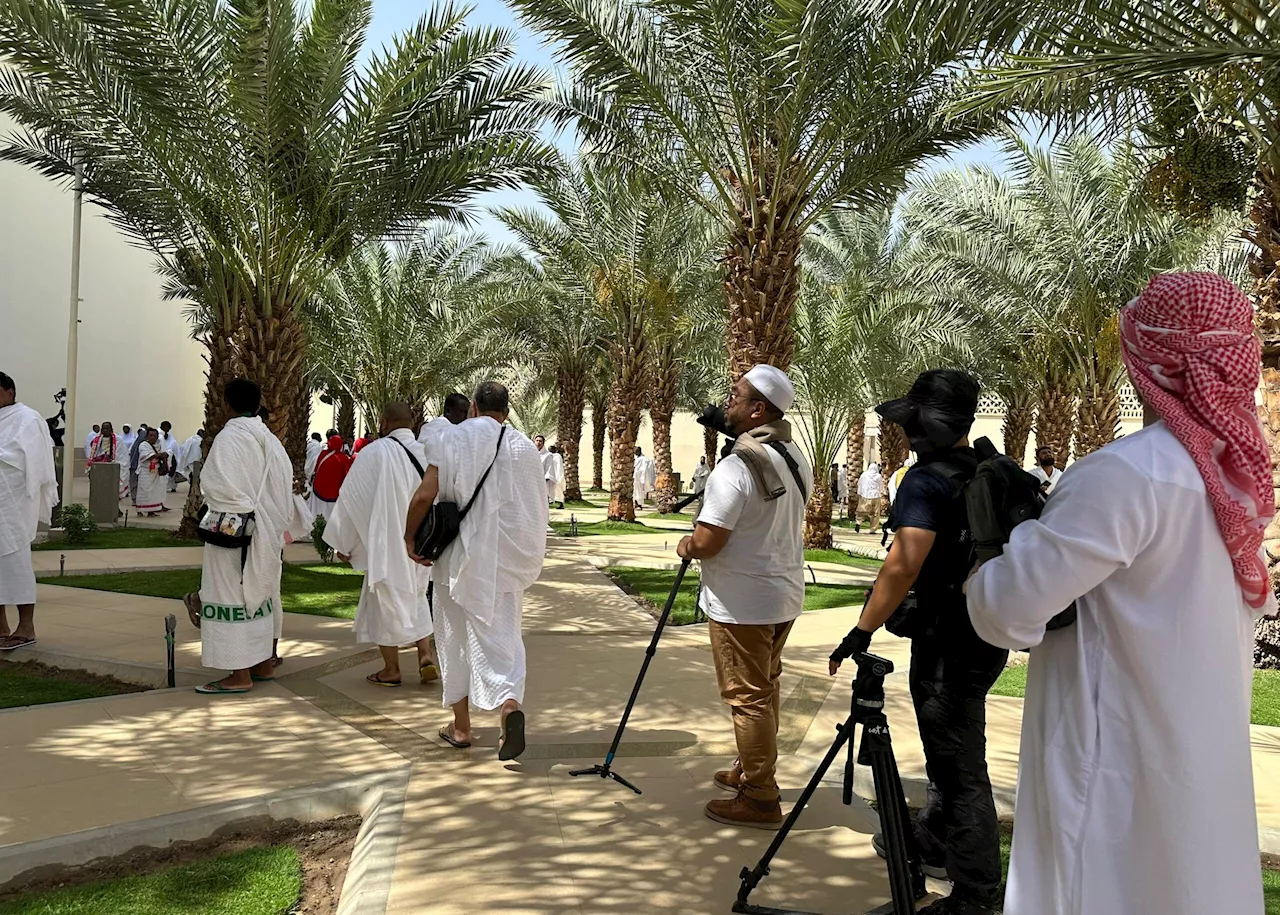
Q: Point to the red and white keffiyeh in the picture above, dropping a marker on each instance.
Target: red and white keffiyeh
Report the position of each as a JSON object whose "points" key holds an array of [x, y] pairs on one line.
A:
{"points": [[1189, 346]]}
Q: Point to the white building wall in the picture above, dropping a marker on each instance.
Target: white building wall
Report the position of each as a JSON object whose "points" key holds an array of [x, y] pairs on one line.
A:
{"points": [[137, 362]]}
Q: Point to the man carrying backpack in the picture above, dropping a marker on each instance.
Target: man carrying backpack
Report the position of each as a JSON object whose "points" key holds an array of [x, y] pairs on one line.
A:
{"points": [[952, 669]]}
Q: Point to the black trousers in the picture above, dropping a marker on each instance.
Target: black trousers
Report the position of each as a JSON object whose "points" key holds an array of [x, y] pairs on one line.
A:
{"points": [[950, 679]]}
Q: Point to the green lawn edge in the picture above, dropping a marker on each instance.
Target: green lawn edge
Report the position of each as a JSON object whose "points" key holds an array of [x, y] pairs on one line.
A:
{"points": [[125, 538], [257, 881]]}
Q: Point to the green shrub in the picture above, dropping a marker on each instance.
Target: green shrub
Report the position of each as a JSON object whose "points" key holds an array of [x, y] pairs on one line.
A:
{"points": [[77, 523], [323, 549]]}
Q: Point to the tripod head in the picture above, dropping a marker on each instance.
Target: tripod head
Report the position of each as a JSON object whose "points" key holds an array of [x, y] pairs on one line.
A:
{"points": [[868, 685]]}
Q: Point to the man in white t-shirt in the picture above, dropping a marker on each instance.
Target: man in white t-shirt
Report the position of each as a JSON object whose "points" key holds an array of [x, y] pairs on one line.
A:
{"points": [[1045, 470], [750, 538]]}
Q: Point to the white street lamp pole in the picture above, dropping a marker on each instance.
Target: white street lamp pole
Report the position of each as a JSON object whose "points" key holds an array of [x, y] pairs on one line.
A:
{"points": [[73, 346]]}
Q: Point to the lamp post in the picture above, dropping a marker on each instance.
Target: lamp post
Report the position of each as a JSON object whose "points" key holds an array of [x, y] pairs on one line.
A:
{"points": [[73, 345]]}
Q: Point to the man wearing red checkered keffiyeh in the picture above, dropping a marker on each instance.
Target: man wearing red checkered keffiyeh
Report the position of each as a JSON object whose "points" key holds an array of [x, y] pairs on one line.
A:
{"points": [[1135, 783]]}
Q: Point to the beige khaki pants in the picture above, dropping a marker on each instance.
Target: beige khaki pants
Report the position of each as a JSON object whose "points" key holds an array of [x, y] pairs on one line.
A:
{"points": [[748, 667]]}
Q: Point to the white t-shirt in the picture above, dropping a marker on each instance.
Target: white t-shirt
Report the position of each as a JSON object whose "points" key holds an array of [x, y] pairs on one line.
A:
{"points": [[1051, 479], [758, 578]]}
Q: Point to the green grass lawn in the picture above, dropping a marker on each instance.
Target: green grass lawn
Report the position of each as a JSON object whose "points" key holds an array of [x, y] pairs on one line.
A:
{"points": [[259, 881], [655, 584], [1013, 682], [320, 590], [1271, 890], [1266, 692], [27, 684], [579, 503], [844, 558], [605, 528], [667, 516], [128, 538], [1266, 697]]}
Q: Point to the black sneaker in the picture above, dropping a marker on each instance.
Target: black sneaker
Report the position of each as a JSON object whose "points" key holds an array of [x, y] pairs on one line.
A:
{"points": [[932, 867], [955, 905]]}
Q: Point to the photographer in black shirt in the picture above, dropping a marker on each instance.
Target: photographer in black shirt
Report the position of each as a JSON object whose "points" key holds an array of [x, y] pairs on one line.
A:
{"points": [[951, 668]]}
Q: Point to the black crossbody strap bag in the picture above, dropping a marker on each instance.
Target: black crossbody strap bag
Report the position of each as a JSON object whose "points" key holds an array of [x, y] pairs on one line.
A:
{"points": [[444, 520]]}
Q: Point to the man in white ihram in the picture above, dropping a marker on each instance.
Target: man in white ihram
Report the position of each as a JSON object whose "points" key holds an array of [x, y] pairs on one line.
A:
{"points": [[480, 578], [367, 529], [456, 408], [28, 491], [1135, 782], [238, 606], [644, 477]]}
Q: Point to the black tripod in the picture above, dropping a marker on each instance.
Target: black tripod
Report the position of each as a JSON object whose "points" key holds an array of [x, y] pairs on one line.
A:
{"points": [[906, 879], [605, 770]]}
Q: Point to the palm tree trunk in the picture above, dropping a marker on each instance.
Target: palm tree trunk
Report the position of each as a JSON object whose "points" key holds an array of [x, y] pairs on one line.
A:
{"points": [[626, 402], [1019, 419], [1055, 420], [1265, 267], [572, 384], [762, 276], [710, 445], [599, 423], [1097, 418], [662, 408], [274, 350], [853, 456], [220, 357], [817, 516], [894, 447], [346, 418], [298, 430]]}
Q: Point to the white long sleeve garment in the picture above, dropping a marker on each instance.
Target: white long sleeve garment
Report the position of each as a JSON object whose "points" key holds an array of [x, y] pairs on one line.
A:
{"points": [[1135, 783]]}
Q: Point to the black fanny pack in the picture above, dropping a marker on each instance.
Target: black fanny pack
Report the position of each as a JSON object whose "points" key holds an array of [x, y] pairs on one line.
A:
{"points": [[443, 522]]}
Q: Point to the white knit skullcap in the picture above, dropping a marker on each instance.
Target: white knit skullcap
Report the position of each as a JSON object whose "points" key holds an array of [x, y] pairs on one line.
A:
{"points": [[773, 385]]}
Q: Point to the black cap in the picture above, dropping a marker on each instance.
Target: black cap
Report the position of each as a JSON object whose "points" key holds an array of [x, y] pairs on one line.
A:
{"points": [[941, 405]]}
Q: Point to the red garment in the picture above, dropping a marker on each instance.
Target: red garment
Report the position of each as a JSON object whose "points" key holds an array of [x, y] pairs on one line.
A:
{"points": [[1190, 348], [331, 470], [360, 443]]}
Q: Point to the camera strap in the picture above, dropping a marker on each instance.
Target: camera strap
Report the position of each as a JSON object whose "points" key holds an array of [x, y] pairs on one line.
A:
{"points": [[792, 466]]}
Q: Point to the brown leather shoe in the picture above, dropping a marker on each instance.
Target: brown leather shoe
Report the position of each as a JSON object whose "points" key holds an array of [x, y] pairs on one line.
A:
{"points": [[745, 811], [729, 779]]}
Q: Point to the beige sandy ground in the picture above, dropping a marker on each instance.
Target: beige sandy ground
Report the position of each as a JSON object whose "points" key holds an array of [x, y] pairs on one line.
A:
{"points": [[479, 835]]}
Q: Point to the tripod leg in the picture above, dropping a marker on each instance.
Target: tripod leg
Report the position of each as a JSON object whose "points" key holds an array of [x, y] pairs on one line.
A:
{"points": [[895, 823], [604, 770], [751, 877]]}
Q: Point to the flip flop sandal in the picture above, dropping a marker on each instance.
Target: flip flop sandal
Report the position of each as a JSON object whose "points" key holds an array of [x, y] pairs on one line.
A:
{"points": [[214, 689], [256, 679], [511, 741], [446, 734], [428, 673], [374, 678], [10, 645], [192, 603], [276, 661]]}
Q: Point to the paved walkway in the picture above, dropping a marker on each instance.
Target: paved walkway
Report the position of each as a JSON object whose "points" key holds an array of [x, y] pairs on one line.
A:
{"points": [[478, 835]]}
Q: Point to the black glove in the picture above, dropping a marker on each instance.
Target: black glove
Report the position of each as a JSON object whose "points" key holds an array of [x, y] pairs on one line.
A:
{"points": [[855, 643]]}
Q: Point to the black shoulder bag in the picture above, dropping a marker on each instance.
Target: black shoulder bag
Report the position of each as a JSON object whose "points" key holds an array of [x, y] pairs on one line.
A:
{"points": [[444, 519]]}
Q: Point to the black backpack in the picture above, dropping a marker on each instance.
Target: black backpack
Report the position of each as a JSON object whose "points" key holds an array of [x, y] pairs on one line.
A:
{"points": [[1001, 496]]}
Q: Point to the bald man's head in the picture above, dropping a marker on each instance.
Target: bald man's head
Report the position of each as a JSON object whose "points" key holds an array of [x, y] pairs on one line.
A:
{"points": [[398, 415]]}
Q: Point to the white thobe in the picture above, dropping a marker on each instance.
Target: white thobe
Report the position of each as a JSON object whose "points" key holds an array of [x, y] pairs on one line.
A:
{"points": [[189, 453], [127, 441], [314, 450], [88, 443], [367, 524], [1135, 783], [554, 469], [28, 492], [869, 485], [1050, 478], [247, 470], [481, 577], [172, 448], [151, 485], [645, 476], [700, 477], [432, 432]]}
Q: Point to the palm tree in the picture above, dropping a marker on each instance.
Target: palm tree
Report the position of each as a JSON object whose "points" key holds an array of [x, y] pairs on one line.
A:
{"points": [[629, 251], [786, 109], [243, 135], [863, 333], [410, 323], [985, 236], [554, 315]]}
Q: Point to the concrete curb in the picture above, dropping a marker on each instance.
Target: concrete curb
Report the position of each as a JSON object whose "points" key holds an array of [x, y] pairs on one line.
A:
{"points": [[378, 799], [140, 672]]}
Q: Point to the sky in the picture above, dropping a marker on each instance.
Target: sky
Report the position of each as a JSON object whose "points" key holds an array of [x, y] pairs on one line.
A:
{"points": [[391, 17]]}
